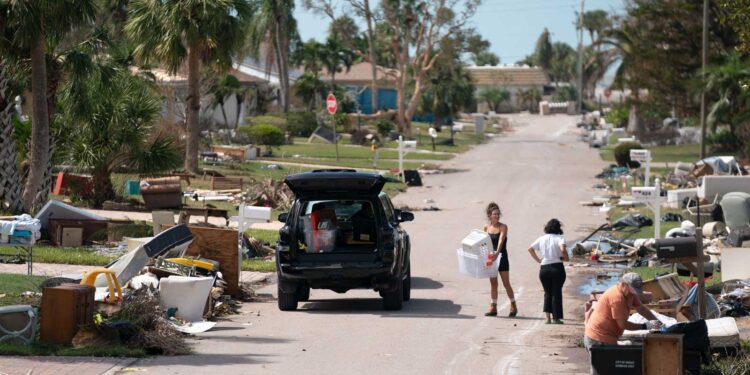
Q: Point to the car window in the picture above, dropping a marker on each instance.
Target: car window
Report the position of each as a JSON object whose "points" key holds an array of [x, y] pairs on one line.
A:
{"points": [[388, 208]]}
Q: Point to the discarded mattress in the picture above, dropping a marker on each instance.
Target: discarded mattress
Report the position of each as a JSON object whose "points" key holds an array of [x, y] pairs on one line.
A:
{"points": [[59, 210], [170, 243], [723, 333], [126, 267], [187, 294]]}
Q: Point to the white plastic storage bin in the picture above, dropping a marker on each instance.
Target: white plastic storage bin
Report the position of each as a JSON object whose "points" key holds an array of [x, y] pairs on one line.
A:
{"points": [[476, 266], [474, 255], [318, 240], [478, 243]]}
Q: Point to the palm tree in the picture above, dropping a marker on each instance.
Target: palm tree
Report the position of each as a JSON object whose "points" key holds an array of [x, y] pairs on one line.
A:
{"points": [[624, 49], [494, 97], [222, 88], [310, 55], [274, 29], [172, 32], [729, 83], [114, 130], [34, 23], [335, 56], [595, 21], [309, 88]]}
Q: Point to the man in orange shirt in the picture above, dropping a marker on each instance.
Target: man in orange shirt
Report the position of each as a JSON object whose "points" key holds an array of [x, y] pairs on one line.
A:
{"points": [[609, 318]]}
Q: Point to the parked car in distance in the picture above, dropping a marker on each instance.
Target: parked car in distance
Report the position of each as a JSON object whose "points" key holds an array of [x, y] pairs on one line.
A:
{"points": [[342, 233]]}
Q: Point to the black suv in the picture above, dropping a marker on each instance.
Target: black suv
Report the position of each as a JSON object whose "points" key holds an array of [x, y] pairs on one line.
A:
{"points": [[342, 233]]}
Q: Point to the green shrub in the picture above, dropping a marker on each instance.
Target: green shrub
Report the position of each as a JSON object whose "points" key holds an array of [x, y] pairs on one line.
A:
{"points": [[723, 141], [622, 154], [341, 120], [618, 116], [274, 119], [264, 134], [384, 127], [301, 124]]}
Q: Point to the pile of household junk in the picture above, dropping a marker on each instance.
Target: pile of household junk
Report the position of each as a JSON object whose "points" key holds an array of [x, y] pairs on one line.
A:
{"points": [[719, 207], [185, 285]]}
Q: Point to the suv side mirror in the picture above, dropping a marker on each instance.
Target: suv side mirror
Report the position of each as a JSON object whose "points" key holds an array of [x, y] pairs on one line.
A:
{"points": [[284, 234], [283, 216], [405, 216]]}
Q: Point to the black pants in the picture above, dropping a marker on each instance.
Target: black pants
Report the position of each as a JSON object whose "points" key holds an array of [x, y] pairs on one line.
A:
{"points": [[553, 278]]}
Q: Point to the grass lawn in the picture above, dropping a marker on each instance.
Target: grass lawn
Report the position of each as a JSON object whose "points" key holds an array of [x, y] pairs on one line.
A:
{"points": [[671, 153], [259, 265], [79, 256], [644, 232], [12, 286]]}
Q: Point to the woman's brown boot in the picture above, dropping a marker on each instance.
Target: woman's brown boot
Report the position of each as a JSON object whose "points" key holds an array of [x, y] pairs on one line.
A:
{"points": [[492, 311], [513, 310]]}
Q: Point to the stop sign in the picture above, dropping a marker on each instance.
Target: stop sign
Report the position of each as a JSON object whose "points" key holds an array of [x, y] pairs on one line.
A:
{"points": [[607, 93], [331, 104]]}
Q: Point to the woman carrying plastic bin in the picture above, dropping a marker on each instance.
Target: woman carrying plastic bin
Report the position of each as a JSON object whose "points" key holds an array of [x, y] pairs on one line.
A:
{"points": [[552, 272], [499, 235]]}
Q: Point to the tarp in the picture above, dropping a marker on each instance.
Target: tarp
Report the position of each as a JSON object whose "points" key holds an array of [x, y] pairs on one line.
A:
{"points": [[721, 164]]}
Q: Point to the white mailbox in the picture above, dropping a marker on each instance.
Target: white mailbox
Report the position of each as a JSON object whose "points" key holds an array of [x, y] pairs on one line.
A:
{"points": [[623, 140], [432, 132], [410, 144], [640, 155], [643, 192]]}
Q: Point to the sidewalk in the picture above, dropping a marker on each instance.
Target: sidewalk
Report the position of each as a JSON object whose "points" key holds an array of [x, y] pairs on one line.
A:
{"points": [[14, 365]]}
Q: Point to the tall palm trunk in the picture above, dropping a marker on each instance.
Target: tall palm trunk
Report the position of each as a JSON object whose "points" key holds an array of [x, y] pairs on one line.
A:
{"points": [[39, 158], [10, 180], [193, 104], [371, 43]]}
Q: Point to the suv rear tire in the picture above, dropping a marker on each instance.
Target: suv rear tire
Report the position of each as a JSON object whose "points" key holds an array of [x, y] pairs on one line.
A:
{"points": [[407, 283], [287, 301], [303, 293], [394, 299]]}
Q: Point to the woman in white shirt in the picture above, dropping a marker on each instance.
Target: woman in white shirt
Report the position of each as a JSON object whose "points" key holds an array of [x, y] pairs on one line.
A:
{"points": [[551, 246]]}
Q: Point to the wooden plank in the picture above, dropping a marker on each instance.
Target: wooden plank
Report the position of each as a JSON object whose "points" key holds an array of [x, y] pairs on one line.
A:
{"points": [[662, 354], [220, 245]]}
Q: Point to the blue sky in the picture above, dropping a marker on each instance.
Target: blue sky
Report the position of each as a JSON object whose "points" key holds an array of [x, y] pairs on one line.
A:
{"points": [[512, 26]]}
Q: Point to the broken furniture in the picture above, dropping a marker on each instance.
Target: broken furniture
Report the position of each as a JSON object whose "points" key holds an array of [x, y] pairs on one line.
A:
{"points": [[182, 176], [241, 153], [662, 354], [719, 185], [219, 245], [246, 217], [17, 324], [114, 289], [187, 294], [164, 192], [205, 212], [75, 233], [65, 308], [668, 295], [226, 183]]}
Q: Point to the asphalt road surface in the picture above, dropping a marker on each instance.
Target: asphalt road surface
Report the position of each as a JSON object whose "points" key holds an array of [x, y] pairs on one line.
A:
{"points": [[536, 172]]}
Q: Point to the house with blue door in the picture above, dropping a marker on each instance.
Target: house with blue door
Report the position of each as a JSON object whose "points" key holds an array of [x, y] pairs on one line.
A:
{"points": [[358, 81]]}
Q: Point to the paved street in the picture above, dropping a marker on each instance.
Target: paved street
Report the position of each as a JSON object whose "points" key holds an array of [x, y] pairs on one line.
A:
{"points": [[537, 172]]}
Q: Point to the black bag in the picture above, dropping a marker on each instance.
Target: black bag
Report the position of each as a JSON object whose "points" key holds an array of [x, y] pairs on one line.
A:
{"points": [[695, 337]]}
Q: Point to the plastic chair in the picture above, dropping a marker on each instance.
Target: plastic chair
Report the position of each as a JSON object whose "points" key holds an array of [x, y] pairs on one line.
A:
{"points": [[112, 283]]}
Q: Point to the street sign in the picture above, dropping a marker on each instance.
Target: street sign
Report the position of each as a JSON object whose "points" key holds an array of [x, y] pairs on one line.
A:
{"points": [[331, 104]]}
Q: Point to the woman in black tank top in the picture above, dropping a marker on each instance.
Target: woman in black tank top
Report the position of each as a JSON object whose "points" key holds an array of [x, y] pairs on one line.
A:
{"points": [[499, 232]]}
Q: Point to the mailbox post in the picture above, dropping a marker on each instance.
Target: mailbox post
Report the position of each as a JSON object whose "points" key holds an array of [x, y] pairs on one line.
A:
{"points": [[402, 146], [651, 196], [643, 156]]}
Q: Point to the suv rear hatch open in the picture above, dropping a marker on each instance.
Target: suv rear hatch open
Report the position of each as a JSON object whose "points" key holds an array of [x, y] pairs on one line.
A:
{"points": [[339, 182]]}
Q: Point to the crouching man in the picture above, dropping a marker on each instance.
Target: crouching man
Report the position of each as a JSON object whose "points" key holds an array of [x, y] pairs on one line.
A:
{"points": [[608, 319]]}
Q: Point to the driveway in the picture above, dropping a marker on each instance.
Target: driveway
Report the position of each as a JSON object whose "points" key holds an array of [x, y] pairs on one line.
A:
{"points": [[537, 172]]}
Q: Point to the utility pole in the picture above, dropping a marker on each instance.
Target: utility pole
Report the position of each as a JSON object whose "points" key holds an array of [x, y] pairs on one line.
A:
{"points": [[703, 71], [579, 67]]}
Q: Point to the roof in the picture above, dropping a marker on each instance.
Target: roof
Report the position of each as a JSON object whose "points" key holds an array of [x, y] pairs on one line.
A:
{"points": [[508, 76], [163, 76], [360, 74]]}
